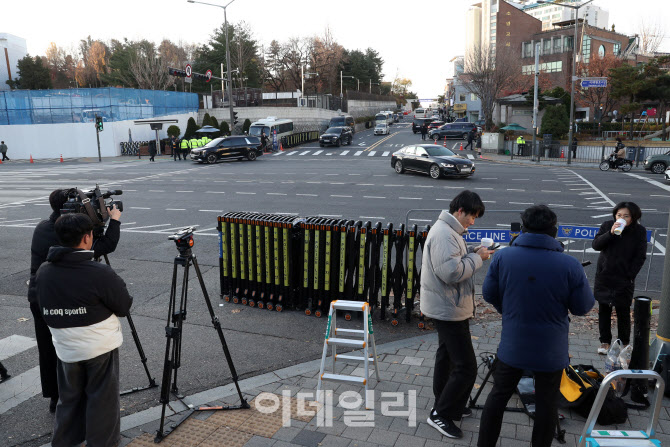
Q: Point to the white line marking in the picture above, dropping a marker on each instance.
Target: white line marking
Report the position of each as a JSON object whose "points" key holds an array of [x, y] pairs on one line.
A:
{"points": [[483, 188], [372, 217], [650, 181], [619, 194], [372, 153], [211, 211], [520, 190], [409, 198], [148, 226], [421, 220], [386, 154], [139, 208], [659, 195], [521, 203], [354, 174], [373, 197], [336, 195], [317, 152], [593, 198], [183, 191], [329, 215], [19, 389], [291, 153], [559, 204], [471, 157], [344, 152], [15, 344], [365, 184], [329, 153], [175, 209], [308, 195], [358, 153], [305, 153], [245, 193], [214, 192], [21, 220], [276, 194], [544, 190]]}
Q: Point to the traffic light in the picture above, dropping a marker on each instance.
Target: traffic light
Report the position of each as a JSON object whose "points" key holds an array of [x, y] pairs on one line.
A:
{"points": [[234, 118], [176, 72], [98, 123]]}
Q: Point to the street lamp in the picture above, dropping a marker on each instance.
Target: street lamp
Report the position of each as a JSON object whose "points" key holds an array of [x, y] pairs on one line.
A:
{"points": [[302, 75], [352, 77], [574, 67], [230, 90]]}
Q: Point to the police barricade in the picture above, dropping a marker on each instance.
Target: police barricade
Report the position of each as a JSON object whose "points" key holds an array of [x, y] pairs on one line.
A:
{"points": [[296, 139]]}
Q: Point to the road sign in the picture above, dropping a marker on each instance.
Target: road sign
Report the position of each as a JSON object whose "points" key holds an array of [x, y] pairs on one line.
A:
{"points": [[188, 70], [208, 74], [498, 236], [594, 82], [576, 232]]}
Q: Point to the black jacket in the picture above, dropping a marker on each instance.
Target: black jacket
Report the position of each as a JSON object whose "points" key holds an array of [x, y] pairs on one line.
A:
{"points": [[74, 291], [45, 237], [620, 260]]}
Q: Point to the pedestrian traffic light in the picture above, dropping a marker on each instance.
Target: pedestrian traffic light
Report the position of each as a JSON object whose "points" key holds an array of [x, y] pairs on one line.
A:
{"points": [[234, 118], [98, 123]]}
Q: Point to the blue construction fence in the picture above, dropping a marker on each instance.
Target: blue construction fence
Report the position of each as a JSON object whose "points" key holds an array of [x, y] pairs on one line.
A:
{"points": [[81, 105]]}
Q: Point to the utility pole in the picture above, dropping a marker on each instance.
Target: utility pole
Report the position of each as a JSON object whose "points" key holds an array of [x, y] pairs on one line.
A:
{"points": [[536, 102]]}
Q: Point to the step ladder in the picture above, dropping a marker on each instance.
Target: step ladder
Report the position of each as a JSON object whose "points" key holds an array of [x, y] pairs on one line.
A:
{"points": [[334, 340], [627, 438]]}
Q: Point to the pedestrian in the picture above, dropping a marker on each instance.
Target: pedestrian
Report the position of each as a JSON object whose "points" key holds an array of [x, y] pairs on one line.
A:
{"points": [[534, 285], [81, 301], [620, 151], [424, 131], [621, 258], [152, 150], [3, 150], [448, 297], [471, 138], [520, 145], [478, 145], [264, 141], [44, 237], [176, 154], [573, 146]]}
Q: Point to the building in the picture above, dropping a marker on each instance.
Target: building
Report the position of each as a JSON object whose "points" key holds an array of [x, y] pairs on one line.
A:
{"points": [[553, 13], [463, 103], [13, 49]]}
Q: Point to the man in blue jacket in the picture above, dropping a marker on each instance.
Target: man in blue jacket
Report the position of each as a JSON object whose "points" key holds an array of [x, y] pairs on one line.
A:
{"points": [[534, 285]]}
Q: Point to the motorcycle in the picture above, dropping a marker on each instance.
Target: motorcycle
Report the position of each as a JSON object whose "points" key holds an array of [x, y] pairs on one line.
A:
{"points": [[612, 163]]}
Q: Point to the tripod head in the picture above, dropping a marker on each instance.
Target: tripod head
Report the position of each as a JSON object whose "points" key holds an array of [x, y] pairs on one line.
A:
{"points": [[184, 240]]}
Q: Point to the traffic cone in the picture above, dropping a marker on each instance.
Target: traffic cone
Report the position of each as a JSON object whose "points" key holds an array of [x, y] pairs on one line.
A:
{"points": [[281, 147], [61, 158], [31, 158], [461, 146], [562, 154], [445, 142], [0, 161]]}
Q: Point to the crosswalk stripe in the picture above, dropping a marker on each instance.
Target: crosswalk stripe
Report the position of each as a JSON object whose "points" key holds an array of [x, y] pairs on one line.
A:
{"points": [[15, 344], [19, 389], [372, 154], [358, 153], [317, 152], [291, 153], [305, 153], [471, 157], [386, 154], [344, 153]]}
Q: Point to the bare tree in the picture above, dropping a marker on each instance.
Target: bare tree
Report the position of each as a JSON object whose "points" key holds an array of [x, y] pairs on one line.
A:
{"points": [[489, 75], [651, 36], [151, 71]]}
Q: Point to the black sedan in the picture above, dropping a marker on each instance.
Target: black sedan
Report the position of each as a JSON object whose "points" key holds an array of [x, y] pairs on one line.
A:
{"points": [[434, 160], [228, 148], [336, 136]]}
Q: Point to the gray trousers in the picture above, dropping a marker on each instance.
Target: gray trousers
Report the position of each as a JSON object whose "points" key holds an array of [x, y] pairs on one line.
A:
{"points": [[89, 407]]}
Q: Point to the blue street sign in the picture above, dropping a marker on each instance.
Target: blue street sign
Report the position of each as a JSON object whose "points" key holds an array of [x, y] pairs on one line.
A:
{"points": [[594, 83], [498, 236], [573, 232]]}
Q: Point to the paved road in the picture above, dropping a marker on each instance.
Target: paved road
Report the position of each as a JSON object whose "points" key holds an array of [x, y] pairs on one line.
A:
{"points": [[355, 182]]}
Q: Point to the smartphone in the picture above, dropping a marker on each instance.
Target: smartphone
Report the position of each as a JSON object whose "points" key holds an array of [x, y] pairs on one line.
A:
{"points": [[495, 247], [586, 263]]}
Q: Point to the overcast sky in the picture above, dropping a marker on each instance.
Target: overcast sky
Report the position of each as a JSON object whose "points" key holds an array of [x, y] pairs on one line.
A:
{"points": [[415, 39]]}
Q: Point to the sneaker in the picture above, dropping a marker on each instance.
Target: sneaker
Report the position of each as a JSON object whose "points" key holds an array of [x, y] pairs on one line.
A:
{"points": [[604, 348], [445, 426], [466, 413]]}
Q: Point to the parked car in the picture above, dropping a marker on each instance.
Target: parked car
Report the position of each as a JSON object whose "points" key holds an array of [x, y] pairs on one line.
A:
{"points": [[435, 124], [382, 129], [667, 174], [228, 148], [453, 130], [657, 163], [418, 122], [336, 136], [343, 121], [434, 160]]}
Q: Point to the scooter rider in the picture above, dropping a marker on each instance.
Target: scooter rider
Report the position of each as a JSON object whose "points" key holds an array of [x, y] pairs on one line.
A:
{"points": [[620, 153]]}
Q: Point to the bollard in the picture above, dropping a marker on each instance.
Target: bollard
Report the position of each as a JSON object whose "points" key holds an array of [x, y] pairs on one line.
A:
{"points": [[387, 243], [660, 346], [640, 356]]}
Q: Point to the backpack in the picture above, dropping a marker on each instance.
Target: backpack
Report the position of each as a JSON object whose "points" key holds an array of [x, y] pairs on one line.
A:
{"points": [[578, 389]]}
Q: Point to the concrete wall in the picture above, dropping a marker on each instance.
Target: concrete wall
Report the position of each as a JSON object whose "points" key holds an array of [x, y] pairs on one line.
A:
{"points": [[360, 108], [77, 139]]}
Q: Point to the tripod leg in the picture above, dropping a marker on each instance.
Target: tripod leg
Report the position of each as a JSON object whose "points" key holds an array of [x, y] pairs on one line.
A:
{"points": [[217, 326], [473, 402], [179, 316], [140, 350]]}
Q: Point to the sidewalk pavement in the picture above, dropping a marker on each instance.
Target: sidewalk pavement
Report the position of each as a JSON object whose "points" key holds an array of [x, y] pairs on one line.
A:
{"points": [[561, 162], [406, 366]]}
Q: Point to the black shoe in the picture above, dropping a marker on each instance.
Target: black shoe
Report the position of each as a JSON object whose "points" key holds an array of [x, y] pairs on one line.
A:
{"points": [[52, 404], [466, 413], [445, 426]]}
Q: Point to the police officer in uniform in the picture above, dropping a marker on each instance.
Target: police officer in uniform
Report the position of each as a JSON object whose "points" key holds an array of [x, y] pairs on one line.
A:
{"points": [[184, 146], [175, 149], [520, 145]]}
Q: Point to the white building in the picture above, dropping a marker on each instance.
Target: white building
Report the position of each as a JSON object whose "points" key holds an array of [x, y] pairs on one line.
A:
{"points": [[12, 49], [550, 13]]}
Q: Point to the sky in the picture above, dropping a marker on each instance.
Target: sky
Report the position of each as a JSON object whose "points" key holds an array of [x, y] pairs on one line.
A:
{"points": [[416, 40]]}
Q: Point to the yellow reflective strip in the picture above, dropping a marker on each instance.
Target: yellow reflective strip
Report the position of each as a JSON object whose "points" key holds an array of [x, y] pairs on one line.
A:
{"points": [[285, 249], [326, 277], [361, 264], [317, 241], [268, 278], [343, 254], [305, 266], [275, 232], [385, 264], [410, 268], [233, 246], [243, 268], [224, 247]]}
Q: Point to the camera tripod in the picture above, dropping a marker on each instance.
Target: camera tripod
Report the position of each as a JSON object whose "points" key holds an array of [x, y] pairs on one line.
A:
{"points": [[173, 332], [140, 350]]}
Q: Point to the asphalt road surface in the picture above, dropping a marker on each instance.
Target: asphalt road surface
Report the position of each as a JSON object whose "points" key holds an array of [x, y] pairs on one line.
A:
{"points": [[353, 182]]}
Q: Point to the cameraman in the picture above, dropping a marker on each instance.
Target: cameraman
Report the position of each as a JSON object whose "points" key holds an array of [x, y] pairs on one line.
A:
{"points": [[86, 332], [534, 285], [44, 238]]}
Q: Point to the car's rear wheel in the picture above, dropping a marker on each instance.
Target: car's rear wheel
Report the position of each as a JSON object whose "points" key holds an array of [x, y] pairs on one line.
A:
{"points": [[398, 167], [211, 159], [251, 155], [338, 143], [658, 167], [434, 171]]}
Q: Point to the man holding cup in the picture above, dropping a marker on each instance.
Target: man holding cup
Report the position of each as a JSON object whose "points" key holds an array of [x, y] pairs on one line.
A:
{"points": [[448, 297]]}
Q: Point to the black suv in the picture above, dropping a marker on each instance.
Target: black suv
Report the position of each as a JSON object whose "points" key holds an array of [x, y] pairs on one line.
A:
{"points": [[418, 122], [228, 148], [453, 130], [336, 136]]}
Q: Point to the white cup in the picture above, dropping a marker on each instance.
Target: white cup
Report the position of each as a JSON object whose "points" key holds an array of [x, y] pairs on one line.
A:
{"points": [[619, 230], [487, 242]]}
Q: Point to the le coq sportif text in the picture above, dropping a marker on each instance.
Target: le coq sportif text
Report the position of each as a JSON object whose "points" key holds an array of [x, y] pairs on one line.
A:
{"points": [[65, 312]]}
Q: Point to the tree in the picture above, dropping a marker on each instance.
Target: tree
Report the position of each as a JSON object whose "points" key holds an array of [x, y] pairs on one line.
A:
{"points": [[94, 61], [225, 129], [600, 99], [651, 35], [488, 75], [555, 121], [32, 74], [61, 66], [627, 82], [656, 89], [173, 131], [213, 122], [246, 125], [191, 127], [206, 120]]}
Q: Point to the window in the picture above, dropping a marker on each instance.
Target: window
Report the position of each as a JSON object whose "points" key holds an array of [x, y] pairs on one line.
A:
{"points": [[601, 51], [557, 45], [617, 49], [546, 47], [421, 151], [410, 150], [586, 49], [567, 43], [473, 97], [527, 49], [461, 97]]}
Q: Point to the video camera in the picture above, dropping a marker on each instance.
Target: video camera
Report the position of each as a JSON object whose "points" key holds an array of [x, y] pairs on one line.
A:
{"points": [[93, 203]]}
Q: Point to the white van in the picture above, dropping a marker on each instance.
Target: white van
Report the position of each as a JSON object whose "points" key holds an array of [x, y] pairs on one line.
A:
{"points": [[419, 113], [283, 127]]}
